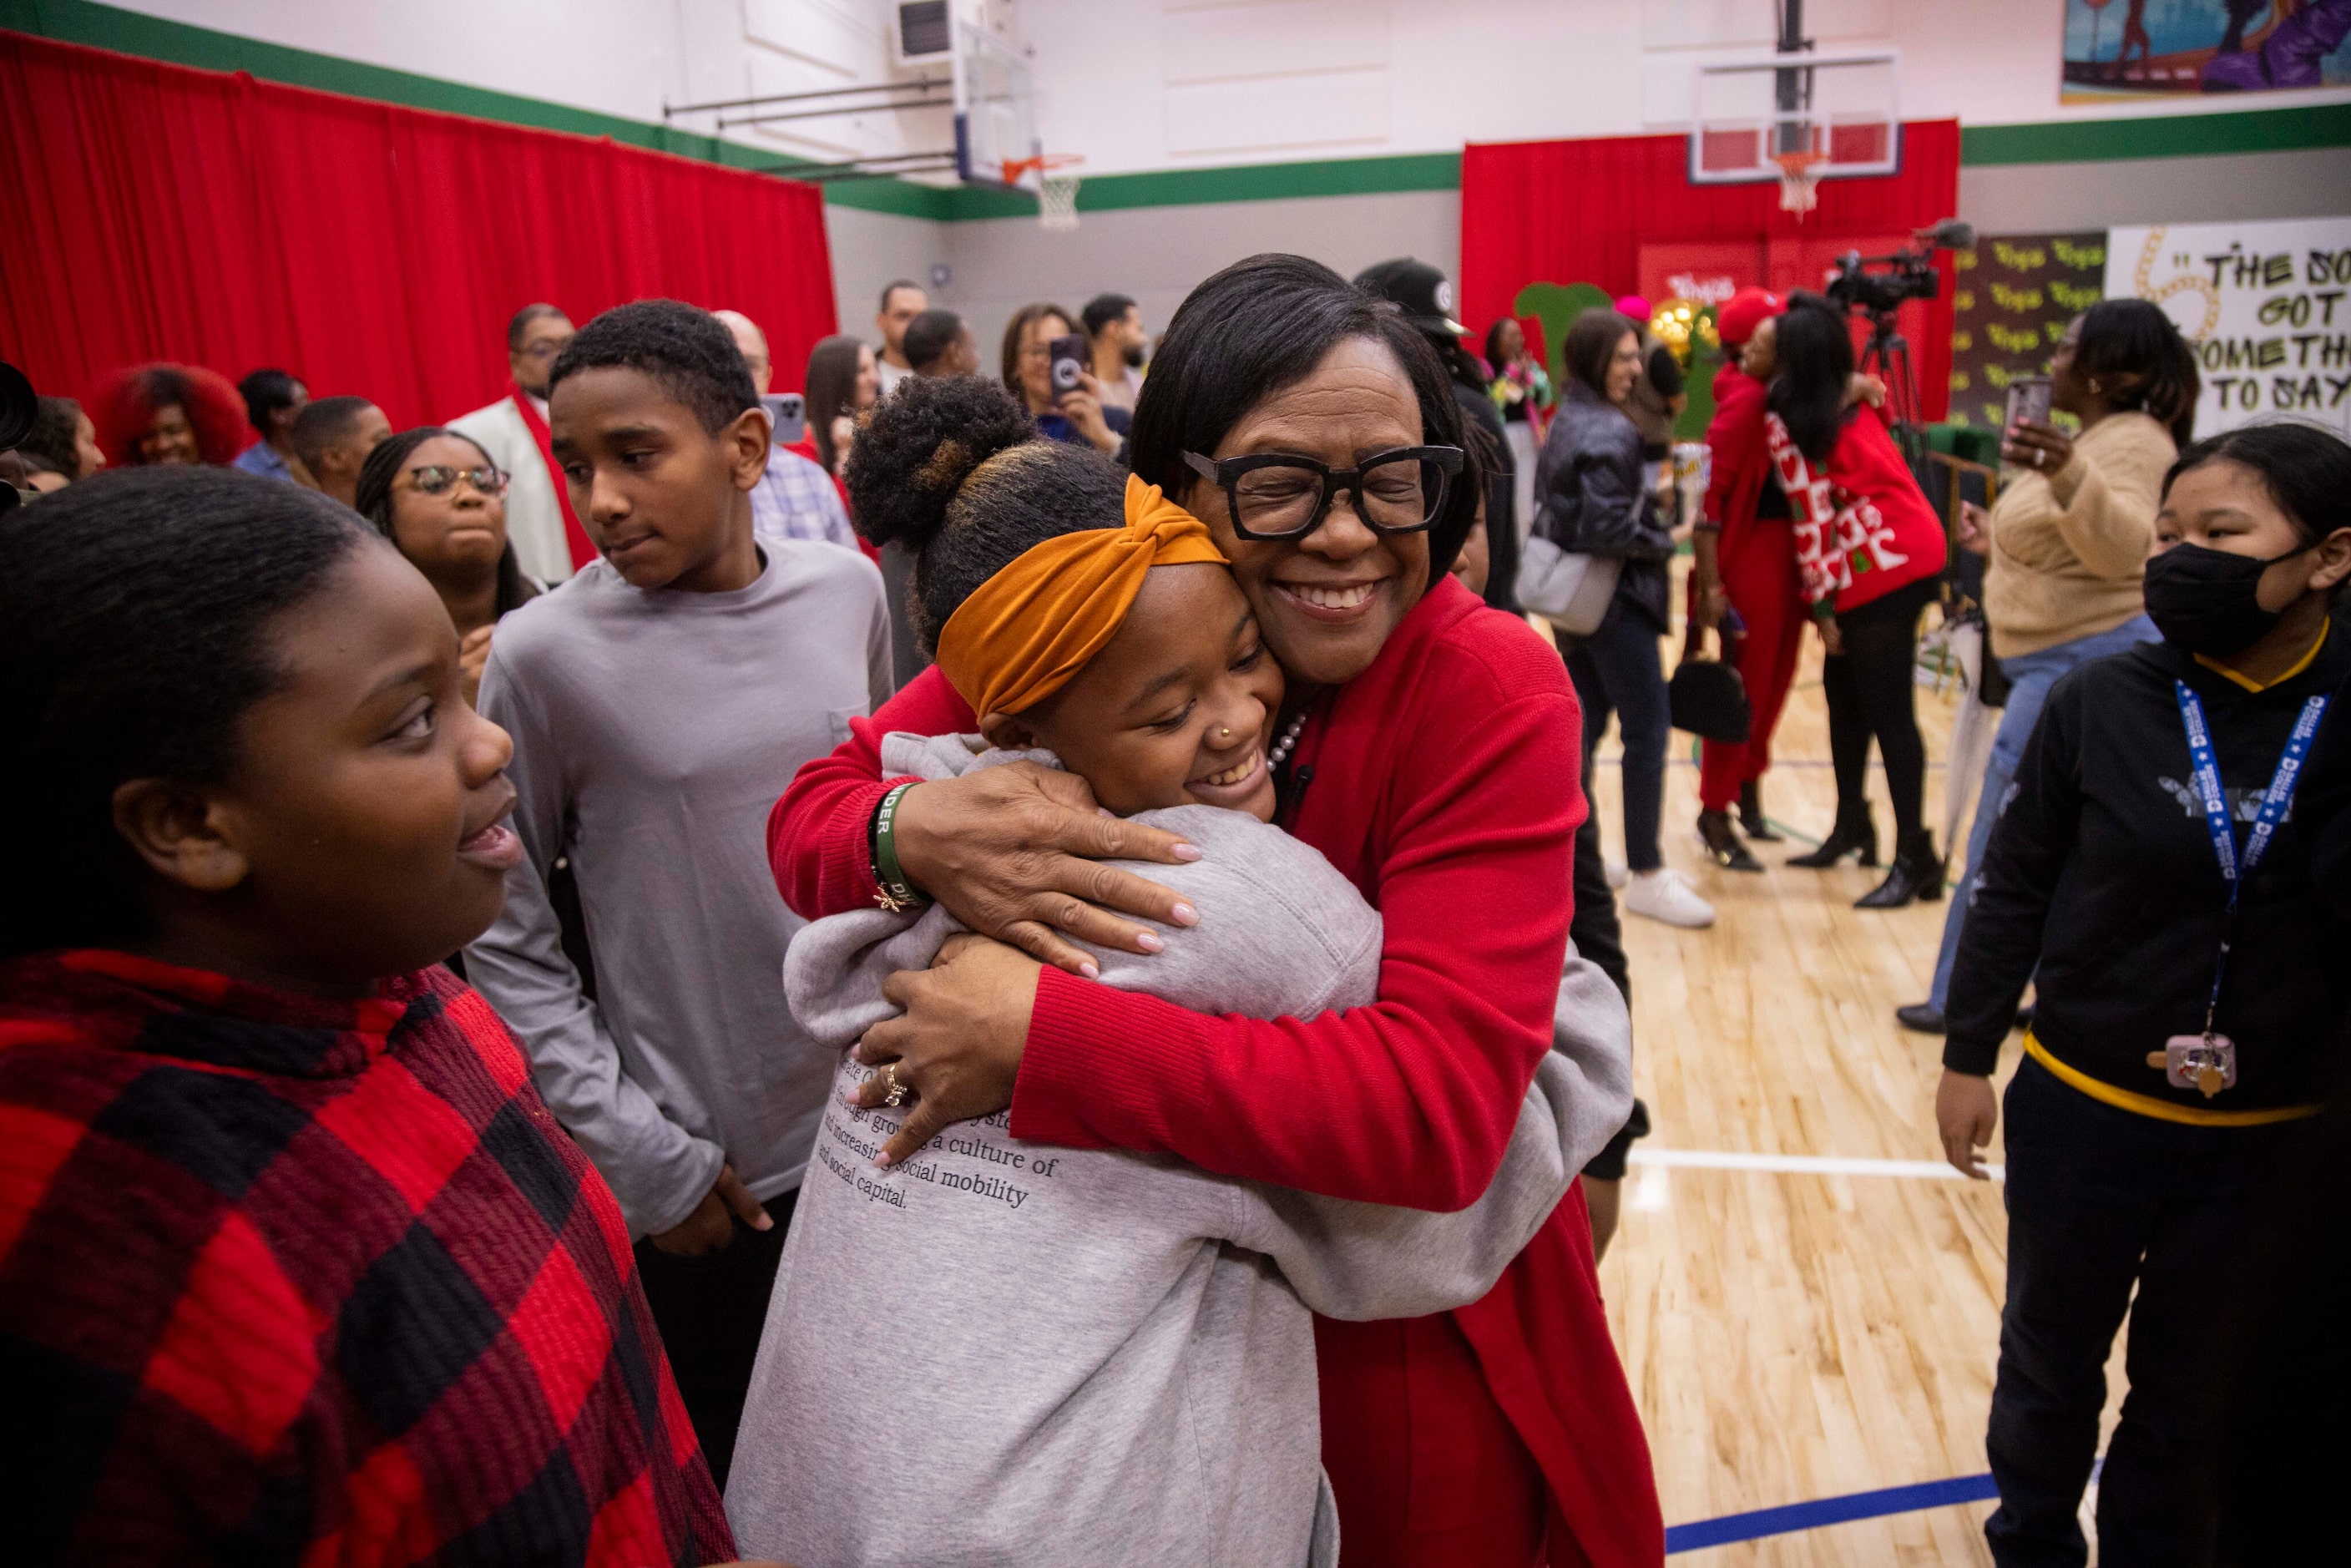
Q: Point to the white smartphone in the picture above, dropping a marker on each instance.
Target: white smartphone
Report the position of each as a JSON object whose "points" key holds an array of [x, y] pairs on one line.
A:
{"points": [[790, 411]]}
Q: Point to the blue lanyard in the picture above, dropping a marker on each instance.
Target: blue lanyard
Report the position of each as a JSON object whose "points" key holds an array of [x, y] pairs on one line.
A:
{"points": [[2206, 777]]}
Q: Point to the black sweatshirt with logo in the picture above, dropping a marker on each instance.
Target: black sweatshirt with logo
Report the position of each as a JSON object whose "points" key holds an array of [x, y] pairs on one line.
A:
{"points": [[2101, 874]]}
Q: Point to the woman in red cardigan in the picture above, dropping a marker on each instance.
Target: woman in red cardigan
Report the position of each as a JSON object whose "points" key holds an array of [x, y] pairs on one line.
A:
{"points": [[1869, 556], [1428, 747]]}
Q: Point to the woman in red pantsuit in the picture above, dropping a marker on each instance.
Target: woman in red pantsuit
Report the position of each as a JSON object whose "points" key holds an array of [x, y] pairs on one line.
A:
{"points": [[1746, 562], [1429, 747]]}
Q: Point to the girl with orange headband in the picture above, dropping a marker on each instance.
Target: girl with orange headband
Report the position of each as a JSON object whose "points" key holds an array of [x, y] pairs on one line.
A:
{"points": [[1097, 1357]]}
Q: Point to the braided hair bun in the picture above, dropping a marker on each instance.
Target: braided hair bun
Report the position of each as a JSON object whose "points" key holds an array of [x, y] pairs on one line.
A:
{"points": [[951, 470], [918, 446]]}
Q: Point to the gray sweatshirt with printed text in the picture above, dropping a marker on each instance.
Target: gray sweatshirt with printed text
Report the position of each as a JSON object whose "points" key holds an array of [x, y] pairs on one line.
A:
{"points": [[1003, 1352]]}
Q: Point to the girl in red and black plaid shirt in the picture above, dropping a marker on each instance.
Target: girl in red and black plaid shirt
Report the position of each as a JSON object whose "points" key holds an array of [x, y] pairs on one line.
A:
{"points": [[294, 1264]]}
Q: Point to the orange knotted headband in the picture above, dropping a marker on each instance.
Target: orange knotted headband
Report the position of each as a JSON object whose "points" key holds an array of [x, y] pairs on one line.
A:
{"points": [[1027, 631]]}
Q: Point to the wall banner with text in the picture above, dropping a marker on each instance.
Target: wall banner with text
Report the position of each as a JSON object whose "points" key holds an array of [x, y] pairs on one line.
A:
{"points": [[2014, 295], [2267, 305]]}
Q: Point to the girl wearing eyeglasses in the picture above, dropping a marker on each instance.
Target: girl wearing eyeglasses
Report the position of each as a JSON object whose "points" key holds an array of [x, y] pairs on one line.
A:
{"points": [[441, 501]]}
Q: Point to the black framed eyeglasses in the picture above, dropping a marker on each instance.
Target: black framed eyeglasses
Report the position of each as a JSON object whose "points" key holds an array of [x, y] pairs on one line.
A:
{"points": [[1283, 495], [436, 478]]}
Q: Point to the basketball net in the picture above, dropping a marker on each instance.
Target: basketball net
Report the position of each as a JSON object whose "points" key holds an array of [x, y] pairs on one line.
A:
{"points": [[1799, 180], [1057, 188]]}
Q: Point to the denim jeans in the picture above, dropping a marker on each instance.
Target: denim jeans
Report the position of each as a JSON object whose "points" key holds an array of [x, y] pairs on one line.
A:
{"points": [[2101, 1200], [2031, 677], [1618, 667]]}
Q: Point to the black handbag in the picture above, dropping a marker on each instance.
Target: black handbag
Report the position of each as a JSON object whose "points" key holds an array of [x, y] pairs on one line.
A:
{"points": [[1708, 699]]}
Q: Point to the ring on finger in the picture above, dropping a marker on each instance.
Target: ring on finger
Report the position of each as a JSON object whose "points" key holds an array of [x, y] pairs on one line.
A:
{"points": [[897, 1091]]}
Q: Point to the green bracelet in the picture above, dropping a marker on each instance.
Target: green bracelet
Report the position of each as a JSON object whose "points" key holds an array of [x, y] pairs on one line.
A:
{"points": [[896, 893]]}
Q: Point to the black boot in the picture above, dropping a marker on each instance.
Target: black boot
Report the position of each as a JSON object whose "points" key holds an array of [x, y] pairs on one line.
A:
{"points": [[1854, 832], [1723, 845], [1751, 819], [1917, 876]]}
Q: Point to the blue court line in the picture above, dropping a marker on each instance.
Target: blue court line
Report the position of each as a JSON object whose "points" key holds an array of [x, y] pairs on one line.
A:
{"points": [[1812, 1515]]}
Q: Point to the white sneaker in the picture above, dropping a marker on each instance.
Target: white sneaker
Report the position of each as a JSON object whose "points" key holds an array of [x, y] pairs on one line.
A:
{"points": [[1667, 895], [1617, 874]]}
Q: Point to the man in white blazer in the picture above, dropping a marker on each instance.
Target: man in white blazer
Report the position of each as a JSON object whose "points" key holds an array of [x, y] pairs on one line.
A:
{"points": [[511, 431]]}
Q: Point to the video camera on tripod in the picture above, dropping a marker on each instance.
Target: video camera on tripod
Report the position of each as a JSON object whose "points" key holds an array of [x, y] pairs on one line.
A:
{"points": [[1879, 286]]}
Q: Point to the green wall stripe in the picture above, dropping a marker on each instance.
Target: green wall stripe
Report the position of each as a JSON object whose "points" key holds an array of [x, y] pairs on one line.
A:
{"points": [[2157, 136], [1244, 182], [152, 38], [1273, 181]]}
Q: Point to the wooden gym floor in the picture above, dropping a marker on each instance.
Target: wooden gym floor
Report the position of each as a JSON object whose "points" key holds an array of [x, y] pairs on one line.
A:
{"points": [[1798, 1335]]}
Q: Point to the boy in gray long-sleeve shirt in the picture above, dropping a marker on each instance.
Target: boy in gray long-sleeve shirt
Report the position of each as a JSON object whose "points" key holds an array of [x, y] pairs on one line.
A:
{"points": [[656, 701], [998, 1353]]}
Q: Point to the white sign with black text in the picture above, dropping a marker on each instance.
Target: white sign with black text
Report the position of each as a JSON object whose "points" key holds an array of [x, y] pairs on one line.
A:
{"points": [[2267, 305]]}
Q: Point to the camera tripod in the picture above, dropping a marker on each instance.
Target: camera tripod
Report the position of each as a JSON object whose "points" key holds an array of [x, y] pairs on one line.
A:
{"points": [[1886, 356]]}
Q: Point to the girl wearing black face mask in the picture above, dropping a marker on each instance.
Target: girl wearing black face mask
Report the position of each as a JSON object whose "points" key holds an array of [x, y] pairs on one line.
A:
{"points": [[2148, 876]]}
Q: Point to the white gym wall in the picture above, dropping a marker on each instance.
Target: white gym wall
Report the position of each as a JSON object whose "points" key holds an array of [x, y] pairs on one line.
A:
{"points": [[1144, 85]]}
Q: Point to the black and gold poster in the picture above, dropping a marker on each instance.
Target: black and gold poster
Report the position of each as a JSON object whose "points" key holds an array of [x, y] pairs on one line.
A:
{"points": [[2013, 296]]}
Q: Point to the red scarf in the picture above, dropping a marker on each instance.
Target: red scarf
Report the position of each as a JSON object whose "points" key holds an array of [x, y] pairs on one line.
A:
{"points": [[583, 548], [1862, 529]]}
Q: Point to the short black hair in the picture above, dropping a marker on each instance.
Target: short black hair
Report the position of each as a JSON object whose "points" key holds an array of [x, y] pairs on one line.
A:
{"points": [[685, 348], [929, 335], [523, 317], [2305, 469], [1263, 324], [951, 470], [2137, 337], [1814, 344], [135, 616], [895, 284], [1103, 310], [325, 422], [57, 424], [266, 391]]}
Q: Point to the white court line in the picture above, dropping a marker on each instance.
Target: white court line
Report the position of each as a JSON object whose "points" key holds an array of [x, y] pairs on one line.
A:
{"points": [[1803, 1165]]}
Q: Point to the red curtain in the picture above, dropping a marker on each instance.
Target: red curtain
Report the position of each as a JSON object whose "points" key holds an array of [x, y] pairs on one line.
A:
{"points": [[1580, 212], [157, 211]]}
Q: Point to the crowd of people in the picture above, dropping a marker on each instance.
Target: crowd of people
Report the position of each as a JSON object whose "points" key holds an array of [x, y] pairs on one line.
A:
{"points": [[581, 962]]}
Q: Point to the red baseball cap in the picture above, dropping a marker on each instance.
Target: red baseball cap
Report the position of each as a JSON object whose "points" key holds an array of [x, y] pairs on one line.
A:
{"points": [[1743, 312]]}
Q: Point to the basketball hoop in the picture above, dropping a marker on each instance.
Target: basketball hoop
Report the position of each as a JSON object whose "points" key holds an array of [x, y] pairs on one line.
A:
{"points": [[1057, 188], [1800, 179]]}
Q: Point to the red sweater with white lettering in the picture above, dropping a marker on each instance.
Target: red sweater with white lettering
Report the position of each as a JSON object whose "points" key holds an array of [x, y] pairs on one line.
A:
{"points": [[1443, 781]]}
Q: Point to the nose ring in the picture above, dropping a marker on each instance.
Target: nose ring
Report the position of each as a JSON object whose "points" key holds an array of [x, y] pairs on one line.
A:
{"points": [[1225, 731]]}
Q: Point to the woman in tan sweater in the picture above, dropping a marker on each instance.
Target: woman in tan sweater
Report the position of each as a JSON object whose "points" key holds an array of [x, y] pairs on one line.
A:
{"points": [[2068, 539]]}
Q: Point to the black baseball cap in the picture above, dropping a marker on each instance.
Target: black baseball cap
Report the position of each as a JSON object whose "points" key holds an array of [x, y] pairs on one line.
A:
{"points": [[1422, 292]]}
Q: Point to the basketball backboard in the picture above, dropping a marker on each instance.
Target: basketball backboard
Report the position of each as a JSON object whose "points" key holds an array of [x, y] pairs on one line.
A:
{"points": [[1838, 112], [995, 111]]}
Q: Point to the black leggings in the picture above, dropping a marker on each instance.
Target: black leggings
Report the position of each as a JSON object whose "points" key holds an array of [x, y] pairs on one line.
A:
{"points": [[1870, 688]]}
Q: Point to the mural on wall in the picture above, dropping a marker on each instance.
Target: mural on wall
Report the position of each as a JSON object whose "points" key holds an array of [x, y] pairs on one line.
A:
{"points": [[2267, 305], [2016, 294], [2133, 49]]}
